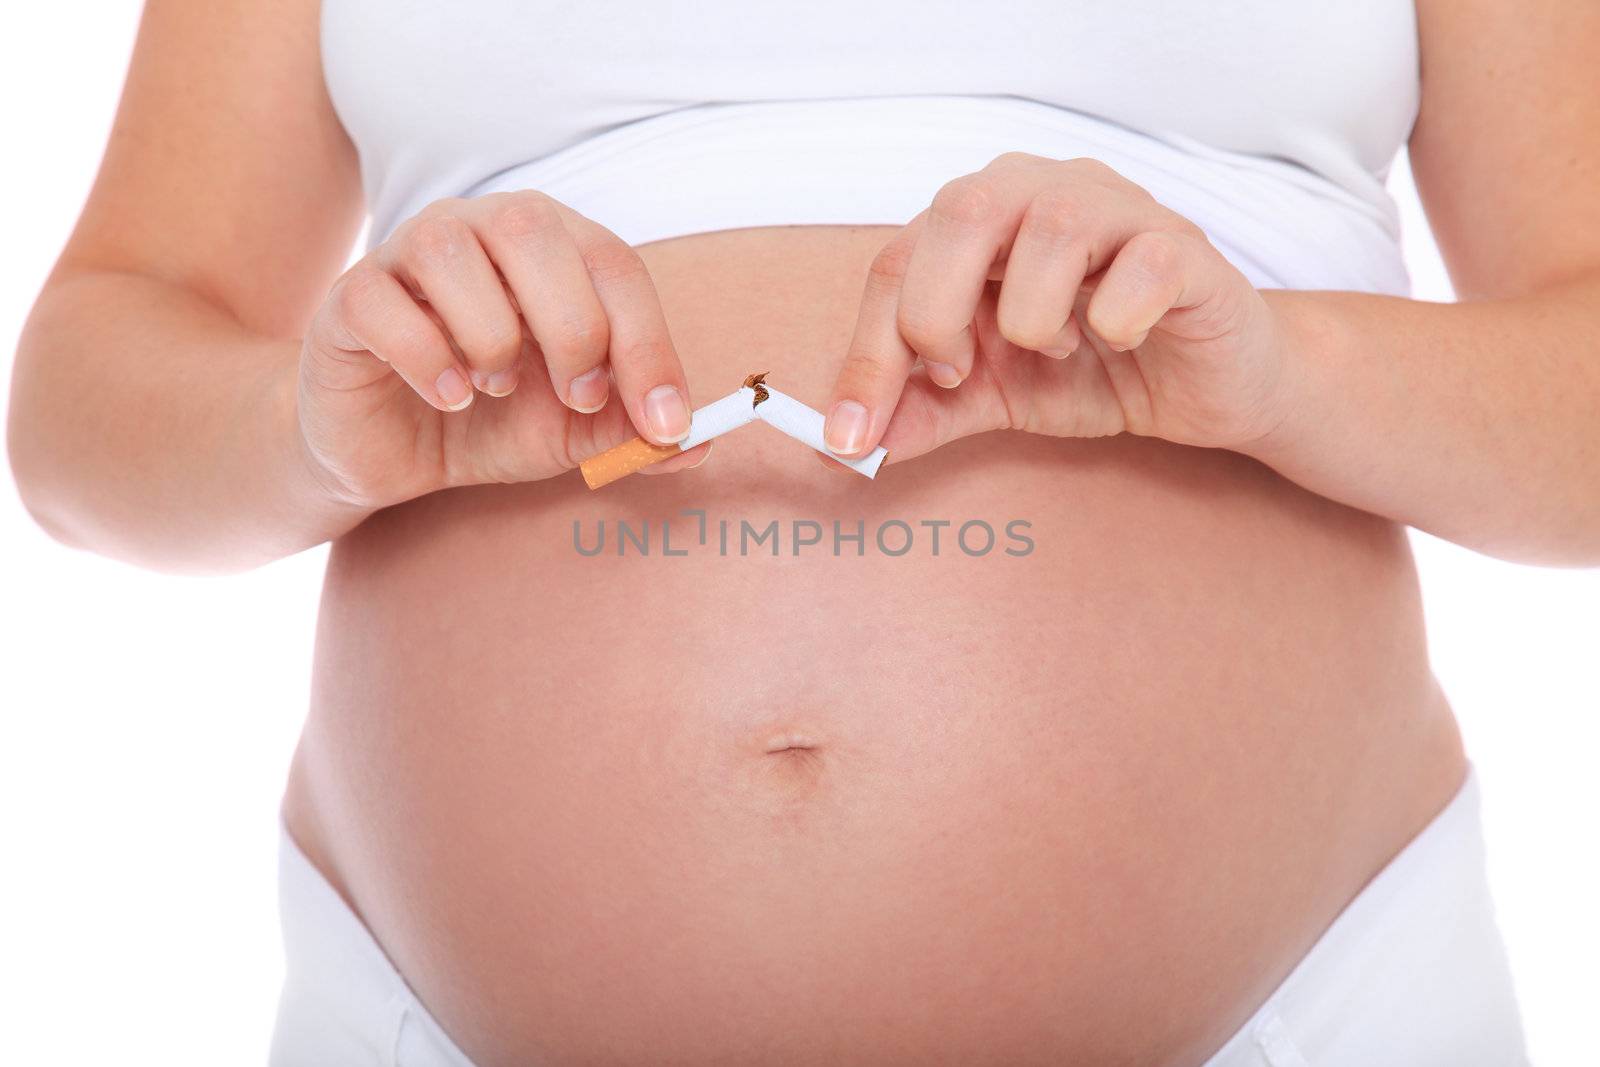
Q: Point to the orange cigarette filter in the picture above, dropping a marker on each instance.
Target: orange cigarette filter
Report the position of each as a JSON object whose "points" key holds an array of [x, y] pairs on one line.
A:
{"points": [[623, 460]]}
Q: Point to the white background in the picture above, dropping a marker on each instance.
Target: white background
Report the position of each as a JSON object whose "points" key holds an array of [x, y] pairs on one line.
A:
{"points": [[146, 721]]}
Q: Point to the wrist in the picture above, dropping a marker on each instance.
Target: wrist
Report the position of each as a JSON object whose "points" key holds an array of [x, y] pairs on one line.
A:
{"points": [[315, 496], [1301, 332]]}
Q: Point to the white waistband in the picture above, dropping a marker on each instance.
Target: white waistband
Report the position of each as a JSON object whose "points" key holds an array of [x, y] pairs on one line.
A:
{"points": [[879, 160], [1412, 971]]}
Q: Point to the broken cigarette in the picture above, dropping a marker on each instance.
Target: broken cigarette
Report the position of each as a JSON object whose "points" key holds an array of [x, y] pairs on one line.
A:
{"points": [[755, 400], [713, 420], [804, 423]]}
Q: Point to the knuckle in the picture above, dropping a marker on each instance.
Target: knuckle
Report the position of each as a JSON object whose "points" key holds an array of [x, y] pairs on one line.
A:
{"points": [[1089, 167], [359, 293], [1157, 254], [1102, 176], [1191, 231], [525, 214], [448, 205], [1007, 160], [649, 352], [964, 202], [860, 372], [499, 343], [437, 238], [409, 343], [612, 261], [1057, 214], [888, 268], [584, 335]]}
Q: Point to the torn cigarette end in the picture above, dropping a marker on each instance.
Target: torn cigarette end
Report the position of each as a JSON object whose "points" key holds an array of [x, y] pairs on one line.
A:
{"points": [[755, 382], [623, 460]]}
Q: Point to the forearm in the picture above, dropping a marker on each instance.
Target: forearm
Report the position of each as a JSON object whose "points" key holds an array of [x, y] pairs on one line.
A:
{"points": [[1478, 422], [148, 425]]}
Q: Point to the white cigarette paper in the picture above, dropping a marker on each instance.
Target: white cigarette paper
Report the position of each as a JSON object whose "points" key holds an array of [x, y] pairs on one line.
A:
{"points": [[720, 416], [756, 401], [804, 424]]}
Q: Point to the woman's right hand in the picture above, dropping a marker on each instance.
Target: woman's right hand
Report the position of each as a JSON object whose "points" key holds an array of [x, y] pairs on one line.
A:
{"points": [[512, 295]]}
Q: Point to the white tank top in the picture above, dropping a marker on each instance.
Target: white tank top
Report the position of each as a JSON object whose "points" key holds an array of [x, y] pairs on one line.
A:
{"points": [[1269, 123]]}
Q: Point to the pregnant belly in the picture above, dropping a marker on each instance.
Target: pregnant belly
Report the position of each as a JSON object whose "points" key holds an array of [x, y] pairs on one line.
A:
{"points": [[1080, 788]]}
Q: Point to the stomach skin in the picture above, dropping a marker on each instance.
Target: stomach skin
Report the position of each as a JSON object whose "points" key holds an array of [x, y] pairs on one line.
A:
{"points": [[1087, 800]]}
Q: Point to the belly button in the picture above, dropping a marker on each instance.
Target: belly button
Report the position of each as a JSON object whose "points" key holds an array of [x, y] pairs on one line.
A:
{"points": [[780, 743], [791, 768]]}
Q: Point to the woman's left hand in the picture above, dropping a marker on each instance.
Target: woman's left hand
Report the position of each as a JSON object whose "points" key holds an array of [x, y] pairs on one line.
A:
{"points": [[1057, 298]]}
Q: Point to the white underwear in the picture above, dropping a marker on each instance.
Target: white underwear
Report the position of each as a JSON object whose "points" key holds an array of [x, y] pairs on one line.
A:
{"points": [[881, 160], [1412, 972]]}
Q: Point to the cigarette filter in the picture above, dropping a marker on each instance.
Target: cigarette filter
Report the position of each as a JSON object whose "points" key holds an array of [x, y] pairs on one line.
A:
{"points": [[623, 460], [713, 420]]}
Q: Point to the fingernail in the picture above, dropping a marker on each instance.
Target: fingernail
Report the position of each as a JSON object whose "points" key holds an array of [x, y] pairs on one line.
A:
{"points": [[499, 383], [667, 414], [453, 390], [846, 428], [944, 375], [702, 459], [588, 392]]}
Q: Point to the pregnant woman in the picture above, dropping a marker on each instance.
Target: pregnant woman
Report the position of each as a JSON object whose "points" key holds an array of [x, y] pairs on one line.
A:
{"points": [[1169, 782]]}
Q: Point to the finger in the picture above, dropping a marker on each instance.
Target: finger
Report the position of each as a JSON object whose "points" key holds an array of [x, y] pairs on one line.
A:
{"points": [[968, 227], [528, 239], [878, 360], [1004, 392], [378, 316], [1047, 264], [929, 416], [643, 360], [1154, 273], [439, 257]]}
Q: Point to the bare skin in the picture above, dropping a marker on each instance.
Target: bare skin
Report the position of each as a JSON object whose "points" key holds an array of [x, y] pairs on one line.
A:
{"points": [[1117, 785]]}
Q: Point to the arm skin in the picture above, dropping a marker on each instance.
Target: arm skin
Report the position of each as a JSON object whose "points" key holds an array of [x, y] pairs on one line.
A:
{"points": [[152, 409], [153, 403], [1477, 421]]}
